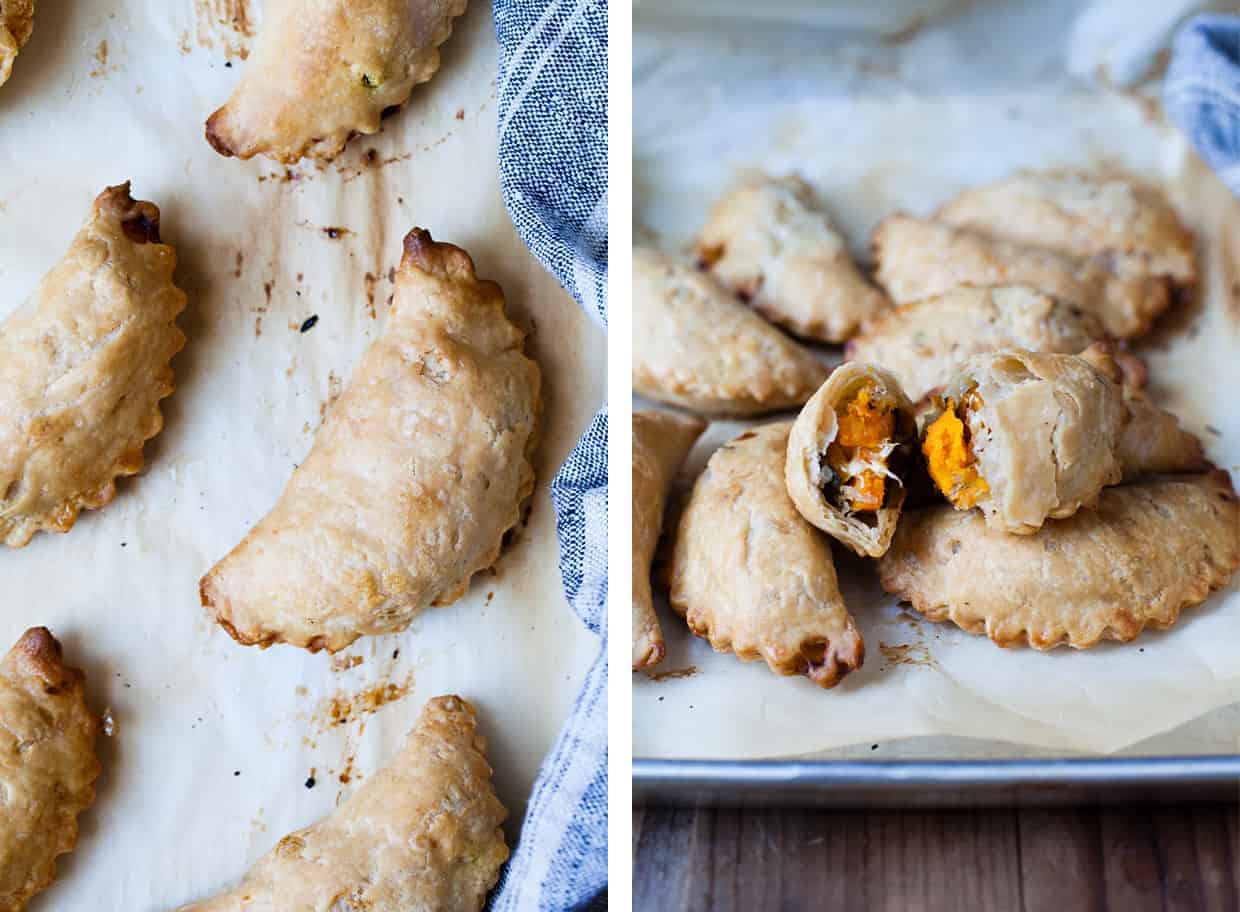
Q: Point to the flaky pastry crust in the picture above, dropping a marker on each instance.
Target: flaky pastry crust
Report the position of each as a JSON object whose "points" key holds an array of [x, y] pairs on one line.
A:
{"points": [[48, 765], [922, 343], [325, 70], [422, 833], [1145, 553], [921, 259], [660, 444], [816, 428], [83, 366], [1127, 226], [751, 576], [16, 24], [698, 347], [421, 467], [766, 241], [1045, 433]]}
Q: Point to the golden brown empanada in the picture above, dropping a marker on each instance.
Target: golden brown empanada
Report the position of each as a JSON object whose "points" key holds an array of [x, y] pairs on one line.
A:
{"points": [[325, 70], [767, 242], [1129, 227], [420, 468], [660, 444], [920, 259], [923, 342], [1153, 441], [48, 765], [422, 833], [83, 366], [1025, 437], [848, 455], [754, 578], [16, 24], [697, 347], [1146, 552]]}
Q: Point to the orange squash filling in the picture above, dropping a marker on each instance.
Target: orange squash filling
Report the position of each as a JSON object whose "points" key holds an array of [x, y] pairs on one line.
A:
{"points": [[863, 428], [952, 465]]}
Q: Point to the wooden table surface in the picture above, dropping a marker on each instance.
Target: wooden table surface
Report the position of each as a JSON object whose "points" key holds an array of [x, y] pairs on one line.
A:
{"points": [[1057, 860]]}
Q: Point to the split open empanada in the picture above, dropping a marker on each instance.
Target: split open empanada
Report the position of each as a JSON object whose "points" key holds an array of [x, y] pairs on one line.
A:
{"points": [[422, 833], [1127, 227], [698, 347], [48, 765], [849, 454], [421, 467], [1025, 437], [1146, 552], [324, 70], [83, 366], [923, 342], [16, 24], [754, 578], [660, 444], [920, 259], [767, 242]]}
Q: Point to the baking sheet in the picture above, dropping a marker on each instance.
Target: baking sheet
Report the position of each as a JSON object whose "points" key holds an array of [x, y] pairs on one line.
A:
{"points": [[878, 124], [215, 743]]}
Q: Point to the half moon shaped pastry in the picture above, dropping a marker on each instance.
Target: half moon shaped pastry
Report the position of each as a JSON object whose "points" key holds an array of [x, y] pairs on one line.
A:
{"points": [[16, 24], [1127, 226], [767, 242], [848, 455], [920, 259], [420, 468], [47, 764], [660, 444], [422, 833], [83, 366], [1025, 437], [923, 342], [754, 578], [697, 347], [1153, 441], [325, 70], [1145, 553]]}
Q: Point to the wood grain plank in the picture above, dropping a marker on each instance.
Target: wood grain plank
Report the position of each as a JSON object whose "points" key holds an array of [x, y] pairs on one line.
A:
{"points": [[1061, 860]]}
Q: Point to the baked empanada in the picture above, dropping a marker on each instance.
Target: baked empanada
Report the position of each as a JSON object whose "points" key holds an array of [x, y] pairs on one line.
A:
{"points": [[923, 342], [754, 578], [421, 467], [767, 242], [848, 455], [325, 70], [919, 259], [1153, 442], [1025, 437], [83, 366], [422, 833], [16, 24], [1146, 552], [660, 444], [697, 347], [48, 765], [1127, 226]]}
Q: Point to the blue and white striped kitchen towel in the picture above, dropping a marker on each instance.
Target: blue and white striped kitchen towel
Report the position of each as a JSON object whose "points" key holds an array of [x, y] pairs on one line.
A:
{"points": [[553, 172], [1201, 91]]}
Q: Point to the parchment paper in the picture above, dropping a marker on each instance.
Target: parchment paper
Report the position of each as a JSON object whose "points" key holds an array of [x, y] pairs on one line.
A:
{"points": [[884, 124], [215, 742]]}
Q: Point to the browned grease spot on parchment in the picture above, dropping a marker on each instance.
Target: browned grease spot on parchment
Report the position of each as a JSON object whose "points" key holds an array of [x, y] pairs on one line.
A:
{"points": [[345, 662], [368, 160], [672, 673], [343, 708], [101, 59], [907, 654], [371, 280], [334, 387], [226, 22]]}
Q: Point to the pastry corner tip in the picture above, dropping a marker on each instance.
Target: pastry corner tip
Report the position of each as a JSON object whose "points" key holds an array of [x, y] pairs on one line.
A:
{"points": [[424, 253]]}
